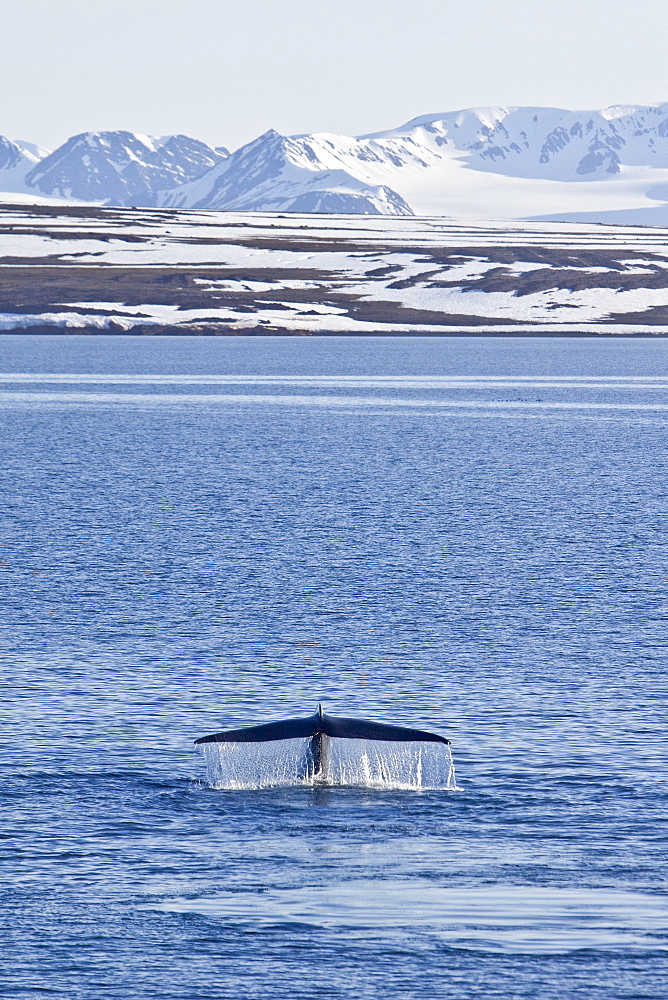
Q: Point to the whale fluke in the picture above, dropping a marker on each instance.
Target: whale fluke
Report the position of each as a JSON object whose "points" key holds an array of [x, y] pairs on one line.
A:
{"points": [[320, 724]]}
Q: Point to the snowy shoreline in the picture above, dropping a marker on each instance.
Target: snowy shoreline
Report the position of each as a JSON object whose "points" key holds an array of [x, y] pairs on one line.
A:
{"points": [[99, 270]]}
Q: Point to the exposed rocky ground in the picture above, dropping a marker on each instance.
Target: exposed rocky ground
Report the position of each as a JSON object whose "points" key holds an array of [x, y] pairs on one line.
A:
{"points": [[94, 270]]}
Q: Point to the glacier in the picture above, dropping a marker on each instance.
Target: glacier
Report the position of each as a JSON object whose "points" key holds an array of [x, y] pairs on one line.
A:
{"points": [[523, 163]]}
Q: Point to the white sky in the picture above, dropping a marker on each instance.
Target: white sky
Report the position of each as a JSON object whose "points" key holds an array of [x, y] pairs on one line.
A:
{"points": [[227, 70]]}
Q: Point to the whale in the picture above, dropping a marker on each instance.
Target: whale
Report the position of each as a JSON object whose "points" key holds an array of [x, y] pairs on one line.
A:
{"points": [[319, 729]]}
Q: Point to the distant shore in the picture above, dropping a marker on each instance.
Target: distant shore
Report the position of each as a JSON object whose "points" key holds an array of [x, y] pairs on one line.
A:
{"points": [[96, 271]]}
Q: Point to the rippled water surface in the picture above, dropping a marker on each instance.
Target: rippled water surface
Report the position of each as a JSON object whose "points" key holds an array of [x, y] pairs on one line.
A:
{"points": [[462, 535]]}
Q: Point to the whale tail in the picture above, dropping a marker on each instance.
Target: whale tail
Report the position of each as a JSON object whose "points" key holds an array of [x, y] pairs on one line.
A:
{"points": [[321, 725]]}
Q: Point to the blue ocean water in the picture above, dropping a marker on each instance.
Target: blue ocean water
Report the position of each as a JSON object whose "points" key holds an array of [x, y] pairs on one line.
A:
{"points": [[460, 534]]}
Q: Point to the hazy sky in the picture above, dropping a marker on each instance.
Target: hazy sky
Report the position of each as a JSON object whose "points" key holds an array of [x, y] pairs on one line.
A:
{"points": [[227, 70]]}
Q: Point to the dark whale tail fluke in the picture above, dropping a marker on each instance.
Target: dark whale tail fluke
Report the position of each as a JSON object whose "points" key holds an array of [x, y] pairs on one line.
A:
{"points": [[318, 725]]}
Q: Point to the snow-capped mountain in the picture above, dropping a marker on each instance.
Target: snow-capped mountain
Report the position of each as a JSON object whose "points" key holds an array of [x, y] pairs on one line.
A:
{"points": [[490, 162], [121, 168], [16, 159], [279, 174], [547, 142], [496, 162]]}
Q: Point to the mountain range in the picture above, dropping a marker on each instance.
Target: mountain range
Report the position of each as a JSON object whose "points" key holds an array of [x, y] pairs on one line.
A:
{"points": [[497, 162]]}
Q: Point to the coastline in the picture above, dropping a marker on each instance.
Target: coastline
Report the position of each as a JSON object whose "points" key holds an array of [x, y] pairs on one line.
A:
{"points": [[143, 272]]}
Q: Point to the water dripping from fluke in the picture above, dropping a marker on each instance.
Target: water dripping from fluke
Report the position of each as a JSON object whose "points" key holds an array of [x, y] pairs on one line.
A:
{"points": [[322, 750]]}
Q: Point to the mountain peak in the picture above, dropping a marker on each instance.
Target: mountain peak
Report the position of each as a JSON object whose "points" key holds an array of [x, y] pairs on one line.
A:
{"points": [[498, 161], [121, 168]]}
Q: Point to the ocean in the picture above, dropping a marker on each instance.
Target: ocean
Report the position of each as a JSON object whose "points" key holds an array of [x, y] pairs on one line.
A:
{"points": [[465, 535]]}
